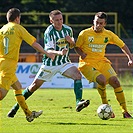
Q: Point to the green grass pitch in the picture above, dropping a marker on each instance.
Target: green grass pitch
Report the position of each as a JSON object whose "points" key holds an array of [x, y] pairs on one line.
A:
{"points": [[59, 115]]}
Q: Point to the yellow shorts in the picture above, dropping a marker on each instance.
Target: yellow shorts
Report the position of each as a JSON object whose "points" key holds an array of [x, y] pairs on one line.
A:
{"points": [[7, 73], [91, 71]]}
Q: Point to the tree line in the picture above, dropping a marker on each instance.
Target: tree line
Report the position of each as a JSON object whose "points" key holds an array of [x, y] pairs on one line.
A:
{"points": [[122, 7]]}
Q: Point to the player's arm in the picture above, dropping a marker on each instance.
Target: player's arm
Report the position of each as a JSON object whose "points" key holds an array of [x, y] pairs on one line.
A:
{"points": [[80, 52], [27, 37], [62, 52], [39, 48], [127, 52], [71, 41]]}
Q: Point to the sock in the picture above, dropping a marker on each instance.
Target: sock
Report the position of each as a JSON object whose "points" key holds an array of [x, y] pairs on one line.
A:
{"points": [[102, 92], [120, 98], [78, 90], [26, 93], [21, 100]]}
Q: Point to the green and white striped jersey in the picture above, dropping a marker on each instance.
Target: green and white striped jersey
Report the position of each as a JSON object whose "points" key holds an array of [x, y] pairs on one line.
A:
{"points": [[54, 39]]}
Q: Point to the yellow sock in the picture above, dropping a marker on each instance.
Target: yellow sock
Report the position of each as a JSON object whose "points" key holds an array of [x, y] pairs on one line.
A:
{"points": [[102, 92], [121, 98], [21, 101]]}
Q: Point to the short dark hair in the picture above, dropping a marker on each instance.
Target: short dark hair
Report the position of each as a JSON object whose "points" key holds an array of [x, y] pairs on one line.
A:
{"points": [[54, 12], [12, 14], [101, 15]]}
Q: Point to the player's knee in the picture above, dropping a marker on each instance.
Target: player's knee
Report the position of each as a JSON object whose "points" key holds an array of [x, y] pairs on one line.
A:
{"points": [[1, 97], [2, 94], [114, 82], [101, 80], [77, 76], [103, 83]]}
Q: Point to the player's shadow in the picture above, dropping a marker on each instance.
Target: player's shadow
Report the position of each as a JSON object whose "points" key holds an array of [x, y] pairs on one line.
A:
{"points": [[73, 123]]}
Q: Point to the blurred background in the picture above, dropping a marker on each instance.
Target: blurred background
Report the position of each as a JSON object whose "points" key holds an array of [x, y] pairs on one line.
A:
{"points": [[79, 15]]}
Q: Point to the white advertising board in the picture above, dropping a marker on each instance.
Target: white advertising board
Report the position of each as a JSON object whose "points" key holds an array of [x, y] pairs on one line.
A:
{"points": [[27, 71]]}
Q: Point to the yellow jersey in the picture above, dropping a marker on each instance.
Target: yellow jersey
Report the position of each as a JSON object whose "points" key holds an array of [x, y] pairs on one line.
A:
{"points": [[94, 44], [11, 37]]}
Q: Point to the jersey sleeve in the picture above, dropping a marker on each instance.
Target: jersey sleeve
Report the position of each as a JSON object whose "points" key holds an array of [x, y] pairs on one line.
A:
{"points": [[71, 32], [71, 35], [48, 41], [116, 40], [26, 36], [79, 41]]}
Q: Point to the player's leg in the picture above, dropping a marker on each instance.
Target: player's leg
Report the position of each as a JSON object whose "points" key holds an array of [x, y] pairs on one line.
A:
{"points": [[15, 108], [102, 92], [8, 79], [26, 93], [112, 79], [32, 88], [71, 71], [30, 116], [93, 75], [101, 87], [114, 82], [19, 97], [5, 80], [40, 78], [3, 93]]}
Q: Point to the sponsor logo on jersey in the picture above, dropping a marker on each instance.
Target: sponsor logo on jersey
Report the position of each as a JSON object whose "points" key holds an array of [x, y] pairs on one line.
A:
{"points": [[91, 39], [106, 40], [62, 42]]}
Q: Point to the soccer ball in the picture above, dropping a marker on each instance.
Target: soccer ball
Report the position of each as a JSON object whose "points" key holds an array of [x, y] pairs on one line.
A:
{"points": [[104, 111]]}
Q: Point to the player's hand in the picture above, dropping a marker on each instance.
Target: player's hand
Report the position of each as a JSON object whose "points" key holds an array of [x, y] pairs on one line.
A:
{"points": [[64, 51], [70, 40], [51, 55], [83, 55], [130, 63]]}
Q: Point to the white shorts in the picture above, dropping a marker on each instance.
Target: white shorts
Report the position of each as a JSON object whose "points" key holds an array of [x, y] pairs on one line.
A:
{"points": [[47, 72]]}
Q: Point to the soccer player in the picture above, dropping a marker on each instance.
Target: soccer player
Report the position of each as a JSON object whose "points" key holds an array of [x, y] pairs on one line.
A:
{"points": [[93, 64], [11, 36], [58, 38]]}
